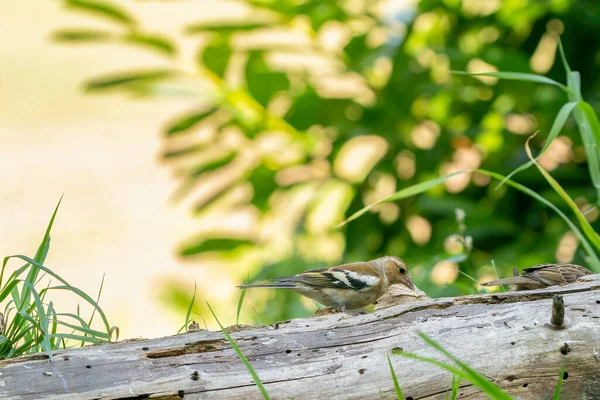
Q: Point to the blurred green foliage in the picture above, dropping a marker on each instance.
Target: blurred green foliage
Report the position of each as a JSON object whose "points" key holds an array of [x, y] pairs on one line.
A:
{"points": [[392, 70]]}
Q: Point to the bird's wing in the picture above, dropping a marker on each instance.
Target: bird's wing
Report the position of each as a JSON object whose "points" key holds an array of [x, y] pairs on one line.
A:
{"points": [[338, 278], [556, 274]]}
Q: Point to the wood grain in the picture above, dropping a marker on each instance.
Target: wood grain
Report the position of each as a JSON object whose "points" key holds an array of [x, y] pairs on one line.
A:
{"points": [[507, 337]]}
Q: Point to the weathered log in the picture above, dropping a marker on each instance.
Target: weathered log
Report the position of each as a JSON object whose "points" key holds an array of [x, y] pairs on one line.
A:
{"points": [[507, 337]]}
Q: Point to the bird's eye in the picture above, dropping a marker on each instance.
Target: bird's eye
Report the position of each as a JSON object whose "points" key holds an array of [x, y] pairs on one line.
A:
{"points": [[402, 270]]}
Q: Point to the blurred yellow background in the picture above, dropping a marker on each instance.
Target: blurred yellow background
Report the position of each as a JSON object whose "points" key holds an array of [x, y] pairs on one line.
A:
{"points": [[101, 153]]}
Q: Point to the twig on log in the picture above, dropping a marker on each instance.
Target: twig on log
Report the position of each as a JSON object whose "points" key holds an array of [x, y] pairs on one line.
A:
{"points": [[558, 310]]}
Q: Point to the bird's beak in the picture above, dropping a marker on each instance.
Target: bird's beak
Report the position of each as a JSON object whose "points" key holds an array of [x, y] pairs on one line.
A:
{"points": [[408, 283]]}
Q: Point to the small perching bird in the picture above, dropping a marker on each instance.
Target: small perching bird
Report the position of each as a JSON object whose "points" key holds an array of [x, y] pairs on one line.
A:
{"points": [[542, 276], [347, 286]]}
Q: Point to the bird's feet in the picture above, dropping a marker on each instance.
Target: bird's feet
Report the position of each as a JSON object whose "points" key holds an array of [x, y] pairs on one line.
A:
{"points": [[333, 310], [327, 311], [356, 312]]}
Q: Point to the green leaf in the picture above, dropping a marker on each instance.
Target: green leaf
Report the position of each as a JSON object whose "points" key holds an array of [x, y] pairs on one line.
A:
{"points": [[251, 370], [516, 76], [263, 183], [355, 50], [225, 27], [590, 134], [557, 126], [395, 379], [187, 121], [215, 55], [224, 245], [213, 165], [589, 129], [102, 9], [585, 225], [262, 82], [157, 43], [128, 80], [196, 173], [184, 151], [82, 35]]}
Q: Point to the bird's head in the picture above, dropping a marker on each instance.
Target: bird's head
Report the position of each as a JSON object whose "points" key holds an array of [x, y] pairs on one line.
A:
{"points": [[396, 271]]}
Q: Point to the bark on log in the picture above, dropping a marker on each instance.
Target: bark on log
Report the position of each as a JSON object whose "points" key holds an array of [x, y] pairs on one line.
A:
{"points": [[507, 337]]}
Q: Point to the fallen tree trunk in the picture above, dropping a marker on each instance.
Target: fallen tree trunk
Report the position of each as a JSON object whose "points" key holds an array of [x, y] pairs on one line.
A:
{"points": [[507, 337]]}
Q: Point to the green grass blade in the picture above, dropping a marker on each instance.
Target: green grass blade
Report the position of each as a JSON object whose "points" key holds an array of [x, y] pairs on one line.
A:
{"points": [[559, 384], [10, 286], [516, 76], [423, 186], [239, 306], [447, 367], [86, 330], [592, 120], [66, 286], [257, 317], [75, 317], [585, 225], [54, 324], [395, 379], [31, 339], [242, 357], [592, 256], [189, 312], [87, 298], [97, 300], [78, 338], [455, 386], [15, 274], [84, 327], [589, 128], [557, 126], [407, 192], [40, 255], [32, 276], [561, 51], [43, 319], [473, 376]]}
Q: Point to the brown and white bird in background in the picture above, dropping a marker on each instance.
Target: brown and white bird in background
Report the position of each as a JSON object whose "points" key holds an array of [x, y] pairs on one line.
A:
{"points": [[347, 286], [542, 276]]}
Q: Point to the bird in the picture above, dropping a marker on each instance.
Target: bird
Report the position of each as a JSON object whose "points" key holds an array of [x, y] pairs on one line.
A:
{"points": [[347, 286], [543, 275]]}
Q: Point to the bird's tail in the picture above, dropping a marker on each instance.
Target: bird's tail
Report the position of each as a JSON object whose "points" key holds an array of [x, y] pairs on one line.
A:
{"points": [[515, 280], [275, 285]]}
